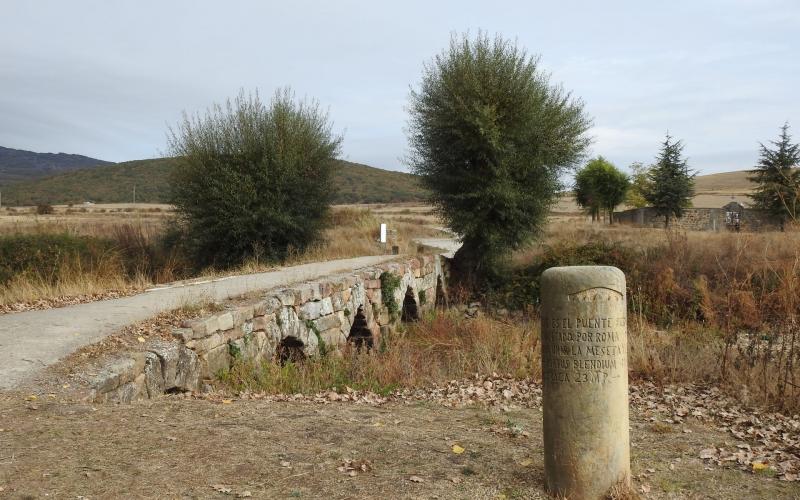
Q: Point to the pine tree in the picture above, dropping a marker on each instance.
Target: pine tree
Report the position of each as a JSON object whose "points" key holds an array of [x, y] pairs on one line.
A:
{"points": [[671, 182], [778, 190]]}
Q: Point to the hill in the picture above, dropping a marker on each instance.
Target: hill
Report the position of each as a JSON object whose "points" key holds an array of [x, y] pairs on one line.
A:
{"points": [[114, 183], [18, 165], [737, 182]]}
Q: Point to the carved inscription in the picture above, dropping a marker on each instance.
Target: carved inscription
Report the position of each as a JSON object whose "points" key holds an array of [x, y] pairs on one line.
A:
{"points": [[583, 350]]}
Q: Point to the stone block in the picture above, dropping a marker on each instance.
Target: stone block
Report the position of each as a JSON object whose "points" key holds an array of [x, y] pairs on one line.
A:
{"points": [[153, 375], [266, 306], [333, 338], [285, 297], [260, 323], [315, 309], [242, 314], [215, 360], [225, 321], [183, 334], [372, 284], [327, 322], [232, 334], [202, 346]]}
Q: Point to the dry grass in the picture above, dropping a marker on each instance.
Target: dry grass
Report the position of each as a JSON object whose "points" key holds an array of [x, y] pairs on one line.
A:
{"points": [[140, 260], [436, 350]]}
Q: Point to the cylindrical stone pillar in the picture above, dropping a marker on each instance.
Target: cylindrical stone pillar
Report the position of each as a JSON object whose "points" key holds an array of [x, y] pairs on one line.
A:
{"points": [[585, 380]]}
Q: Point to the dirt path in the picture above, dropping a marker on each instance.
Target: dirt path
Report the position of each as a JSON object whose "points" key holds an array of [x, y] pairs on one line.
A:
{"points": [[174, 447], [33, 340]]}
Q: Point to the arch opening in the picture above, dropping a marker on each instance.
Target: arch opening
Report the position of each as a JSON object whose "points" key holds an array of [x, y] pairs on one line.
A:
{"points": [[360, 335], [410, 310], [290, 350]]}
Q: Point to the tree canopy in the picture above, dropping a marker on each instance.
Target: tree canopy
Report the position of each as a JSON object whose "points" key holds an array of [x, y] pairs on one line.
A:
{"points": [[489, 137], [778, 182], [671, 183], [253, 179], [600, 185]]}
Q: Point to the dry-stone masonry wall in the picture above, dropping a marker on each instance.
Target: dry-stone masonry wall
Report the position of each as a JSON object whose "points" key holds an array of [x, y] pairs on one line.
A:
{"points": [[290, 323], [699, 219]]}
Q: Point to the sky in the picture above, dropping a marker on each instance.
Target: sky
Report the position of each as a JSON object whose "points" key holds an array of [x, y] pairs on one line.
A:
{"points": [[107, 78]]}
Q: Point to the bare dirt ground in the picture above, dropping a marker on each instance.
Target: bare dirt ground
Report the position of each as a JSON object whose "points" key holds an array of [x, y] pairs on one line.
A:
{"points": [[222, 448]]}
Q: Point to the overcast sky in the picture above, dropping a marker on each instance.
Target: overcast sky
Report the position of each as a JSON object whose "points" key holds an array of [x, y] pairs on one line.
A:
{"points": [[106, 78]]}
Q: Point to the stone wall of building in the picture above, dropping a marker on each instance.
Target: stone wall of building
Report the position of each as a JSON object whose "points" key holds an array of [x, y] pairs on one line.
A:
{"points": [[303, 320], [697, 219]]}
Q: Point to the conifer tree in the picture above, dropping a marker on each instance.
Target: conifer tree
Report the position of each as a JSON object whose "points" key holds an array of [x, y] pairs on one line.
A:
{"points": [[778, 190], [671, 182]]}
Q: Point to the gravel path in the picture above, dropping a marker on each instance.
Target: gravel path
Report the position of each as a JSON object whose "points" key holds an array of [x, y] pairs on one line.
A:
{"points": [[30, 341]]}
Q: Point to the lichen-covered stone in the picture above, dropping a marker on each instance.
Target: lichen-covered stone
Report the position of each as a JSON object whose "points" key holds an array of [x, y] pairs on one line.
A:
{"points": [[315, 309], [153, 375], [225, 321]]}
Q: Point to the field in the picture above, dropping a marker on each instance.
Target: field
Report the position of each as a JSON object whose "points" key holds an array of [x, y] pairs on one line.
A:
{"points": [[125, 253], [714, 353]]}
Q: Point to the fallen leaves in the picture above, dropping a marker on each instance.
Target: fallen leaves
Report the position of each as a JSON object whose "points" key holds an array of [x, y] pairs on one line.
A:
{"points": [[353, 467], [458, 450]]}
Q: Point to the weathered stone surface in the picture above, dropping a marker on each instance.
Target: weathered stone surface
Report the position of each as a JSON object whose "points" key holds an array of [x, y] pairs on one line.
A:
{"points": [[118, 372], [266, 306], [215, 360], [372, 283], [286, 298], [204, 345], [225, 321], [153, 375], [205, 327], [183, 334], [327, 322], [585, 380], [241, 314], [129, 391], [333, 338], [187, 371], [315, 309]]}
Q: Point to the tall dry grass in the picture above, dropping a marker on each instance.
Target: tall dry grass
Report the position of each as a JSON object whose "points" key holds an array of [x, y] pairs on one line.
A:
{"points": [[441, 347]]}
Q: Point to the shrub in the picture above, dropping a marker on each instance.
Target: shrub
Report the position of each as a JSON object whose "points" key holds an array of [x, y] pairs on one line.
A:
{"points": [[253, 180], [44, 209]]}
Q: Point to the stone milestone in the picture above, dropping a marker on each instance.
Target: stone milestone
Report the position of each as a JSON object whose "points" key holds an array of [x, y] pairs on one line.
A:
{"points": [[585, 380]]}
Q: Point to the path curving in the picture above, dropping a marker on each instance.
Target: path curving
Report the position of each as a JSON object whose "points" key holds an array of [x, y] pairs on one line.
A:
{"points": [[33, 340]]}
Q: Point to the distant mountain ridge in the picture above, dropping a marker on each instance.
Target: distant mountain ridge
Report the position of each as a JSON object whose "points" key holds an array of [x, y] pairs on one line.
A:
{"points": [[20, 165], [114, 183]]}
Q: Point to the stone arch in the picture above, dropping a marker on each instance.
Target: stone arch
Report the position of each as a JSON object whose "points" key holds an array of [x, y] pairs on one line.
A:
{"points": [[410, 310], [291, 350], [360, 335]]}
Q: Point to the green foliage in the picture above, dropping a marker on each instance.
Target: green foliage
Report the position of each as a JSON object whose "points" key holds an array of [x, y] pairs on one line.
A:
{"points": [[423, 297], [639, 185], [671, 182], [389, 283], [778, 183], [600, 185], [253, 179], [489, 137], [234, 350]]}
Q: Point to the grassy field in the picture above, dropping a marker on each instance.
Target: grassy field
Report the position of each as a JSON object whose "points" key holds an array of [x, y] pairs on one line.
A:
{"points": [[94, 250], [355, 183]]}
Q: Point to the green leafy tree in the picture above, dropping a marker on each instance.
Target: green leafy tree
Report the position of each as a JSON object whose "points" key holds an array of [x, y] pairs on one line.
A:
{"points": [[586, 193], [253, 179], [489, 137], [640, 185], [600, 185], [671, 182], [778, 182]]}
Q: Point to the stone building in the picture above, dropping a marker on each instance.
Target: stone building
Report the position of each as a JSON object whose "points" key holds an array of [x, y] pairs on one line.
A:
{"points": [[733, 216]]}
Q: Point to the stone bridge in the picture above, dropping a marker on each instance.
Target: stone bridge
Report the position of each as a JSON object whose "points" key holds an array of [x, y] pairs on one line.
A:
{"points": [[290, 323]]}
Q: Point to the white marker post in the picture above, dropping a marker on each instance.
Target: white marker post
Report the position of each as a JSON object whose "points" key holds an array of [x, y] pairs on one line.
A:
{"points": [[383, 233]]}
